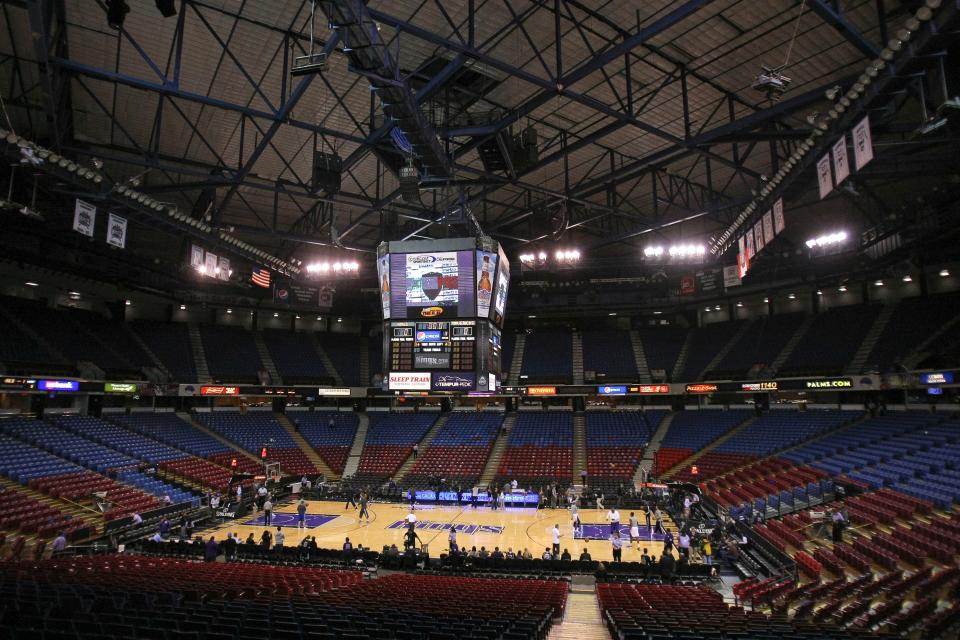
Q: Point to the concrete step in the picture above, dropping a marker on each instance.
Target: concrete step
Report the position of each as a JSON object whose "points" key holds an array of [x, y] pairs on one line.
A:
{"points": [[582, 619], [423, 445], [640, 357], [517, 363], [579, 446], [353, 458], [325, 359], [308, 451], [199, 354], [577, 358], [496, 451]]}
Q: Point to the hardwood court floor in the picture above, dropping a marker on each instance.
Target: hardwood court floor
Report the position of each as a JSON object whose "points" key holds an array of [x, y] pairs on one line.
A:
{"points": [[518, 528]]}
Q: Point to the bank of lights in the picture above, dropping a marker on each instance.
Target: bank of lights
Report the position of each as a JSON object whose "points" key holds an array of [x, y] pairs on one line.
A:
{"points": [[829, 239], [676, 251], [567, 255], [333, 267]]}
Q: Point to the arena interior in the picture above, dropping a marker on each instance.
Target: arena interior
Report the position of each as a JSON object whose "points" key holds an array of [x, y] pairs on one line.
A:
{"points": [[479, 319]]}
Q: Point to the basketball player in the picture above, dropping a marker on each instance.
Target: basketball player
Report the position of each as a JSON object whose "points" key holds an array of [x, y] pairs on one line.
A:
{"points": [[634, 529], [364, 499]]}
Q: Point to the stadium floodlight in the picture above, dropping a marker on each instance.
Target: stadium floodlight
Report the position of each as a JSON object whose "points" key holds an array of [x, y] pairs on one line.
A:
{"points": [[792, 296], [31, 284], [842, 288], [716, 308], [542, 255], [687, 251], [878, 283], [183, 307], [653, 252], [829, 239], [944, 273], [908, 278]]}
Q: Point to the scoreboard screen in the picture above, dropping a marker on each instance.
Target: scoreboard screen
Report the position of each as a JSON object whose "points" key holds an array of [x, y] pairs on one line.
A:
{"points": [[442, 303]]}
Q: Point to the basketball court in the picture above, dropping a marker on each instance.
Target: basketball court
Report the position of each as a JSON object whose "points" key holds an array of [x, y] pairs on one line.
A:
{"points": [[516, 528]]}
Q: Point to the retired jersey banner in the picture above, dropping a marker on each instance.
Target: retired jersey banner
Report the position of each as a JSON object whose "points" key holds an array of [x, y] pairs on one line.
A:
{"points": [[779, 224], [841, 166], [731, 278], [758, 236], [84, 217], [768, 226], [862, 144], [824, 177], [751, 247]]}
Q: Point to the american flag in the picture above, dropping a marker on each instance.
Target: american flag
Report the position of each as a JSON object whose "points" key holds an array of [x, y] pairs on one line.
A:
{"points": [[261, 277]]}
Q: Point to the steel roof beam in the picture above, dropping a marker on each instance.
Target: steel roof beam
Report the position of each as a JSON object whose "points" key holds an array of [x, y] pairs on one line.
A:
{"points": [[830, 13]]}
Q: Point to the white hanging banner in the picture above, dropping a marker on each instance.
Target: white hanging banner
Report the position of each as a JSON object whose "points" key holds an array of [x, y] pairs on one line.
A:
{"points": [[758, 234], [824, 178], [862, 144], [750, 245], [731, 277], [743, 262], [84, 217], [117, 231], [210, 265], [224, 268], [768, 226], [779, 224], [841, 164], [196, 256]]}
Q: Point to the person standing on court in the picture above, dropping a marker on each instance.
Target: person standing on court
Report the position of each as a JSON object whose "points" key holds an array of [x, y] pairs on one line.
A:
{"points": [[634, 529], [278, 540], [364, 499], [351, 500], [302, 514], [556, 540], [613, 517], [617, 545], [267, 512]]}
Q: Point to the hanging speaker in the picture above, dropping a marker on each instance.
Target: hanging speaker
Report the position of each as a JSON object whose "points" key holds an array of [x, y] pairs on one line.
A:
{"points": [[327, 168]]}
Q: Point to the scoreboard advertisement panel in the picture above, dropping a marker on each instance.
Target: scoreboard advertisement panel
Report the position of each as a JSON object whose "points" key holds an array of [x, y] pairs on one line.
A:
{"points": [[442, 303]]}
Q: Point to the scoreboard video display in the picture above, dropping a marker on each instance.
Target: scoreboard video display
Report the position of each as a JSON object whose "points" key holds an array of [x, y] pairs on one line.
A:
{"points": [[443, 305]]}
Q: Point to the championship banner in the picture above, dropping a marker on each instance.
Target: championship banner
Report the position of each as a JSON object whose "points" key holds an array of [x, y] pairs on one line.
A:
{"points": [[84, 217], [824, 178], [841, 166], [708, 280], [224, 265], [210, 264], [779, 224], [117, 231], [687, 285], [751, 247], [730, 277], [862, 144], [383, 270]]}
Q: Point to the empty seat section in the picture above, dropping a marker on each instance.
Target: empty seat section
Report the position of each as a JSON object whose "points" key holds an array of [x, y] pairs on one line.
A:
{"points": [[691, 431], [295, 356], [913, 321], [662, 347], [170, 342], [548, 356], [24, 355], [231, 353], [831, 341], [69, 445], [609, 354], [331, 444], [344, 350], [117, 437], [170, 429], [390, 440], [759, 346], [615, 442], [459, 450], [705, 343], [374, 358], [539, 448], [255, 430]]}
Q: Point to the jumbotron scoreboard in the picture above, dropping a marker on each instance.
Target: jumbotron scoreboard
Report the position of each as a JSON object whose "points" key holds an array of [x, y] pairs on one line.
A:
{"points": [[443, 304]]}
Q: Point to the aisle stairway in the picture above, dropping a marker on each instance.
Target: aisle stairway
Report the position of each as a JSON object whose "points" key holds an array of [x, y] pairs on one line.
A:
{"points": [[266, 358], [308, 451], [199, 355], [577, 338], [922, 350], [353, 459], [517, 362], [646, 463], [640, 356], [870, 340], [424, 444], [496, 452], [364, 362], [582, 619], [133, 335], [681, 362], [725, 349], [686, 462], [579, 446]]}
